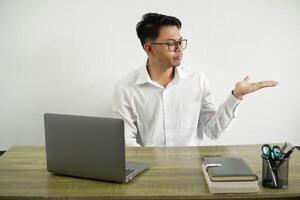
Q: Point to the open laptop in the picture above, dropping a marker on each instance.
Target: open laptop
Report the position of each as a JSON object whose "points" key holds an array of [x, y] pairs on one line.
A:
{"points": [[88, 147]]}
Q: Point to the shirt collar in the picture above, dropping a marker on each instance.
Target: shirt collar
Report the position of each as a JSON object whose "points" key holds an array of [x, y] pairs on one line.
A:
{"points": [[143, 77], [183, 73]]}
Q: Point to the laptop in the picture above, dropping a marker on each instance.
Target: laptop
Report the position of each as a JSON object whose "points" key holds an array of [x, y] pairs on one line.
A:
{"points": [[88, 147]]}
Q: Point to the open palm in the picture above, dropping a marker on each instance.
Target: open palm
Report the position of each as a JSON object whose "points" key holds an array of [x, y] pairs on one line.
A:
{"points": [[244, 87]]}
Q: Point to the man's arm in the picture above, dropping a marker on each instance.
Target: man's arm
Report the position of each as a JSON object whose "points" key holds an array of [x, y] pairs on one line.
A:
{"points": [[213, 121], [123, 110]]}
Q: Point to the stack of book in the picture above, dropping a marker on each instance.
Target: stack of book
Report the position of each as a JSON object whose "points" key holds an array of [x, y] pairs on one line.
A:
{"points": [[229, 175]]}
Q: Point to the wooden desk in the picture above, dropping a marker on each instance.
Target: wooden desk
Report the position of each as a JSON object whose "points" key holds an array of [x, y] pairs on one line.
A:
{"points": [[174, 174]]}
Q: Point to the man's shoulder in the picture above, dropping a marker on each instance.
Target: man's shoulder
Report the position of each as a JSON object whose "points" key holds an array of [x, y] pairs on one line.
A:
{"points": [[129, 79]]}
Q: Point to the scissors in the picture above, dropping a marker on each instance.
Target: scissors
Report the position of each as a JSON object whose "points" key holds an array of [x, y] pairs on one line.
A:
{"points": [[271, 152]]}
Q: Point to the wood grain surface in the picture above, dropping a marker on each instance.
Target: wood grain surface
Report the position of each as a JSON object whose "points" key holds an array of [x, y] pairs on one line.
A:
{"points": [[174, 173]]}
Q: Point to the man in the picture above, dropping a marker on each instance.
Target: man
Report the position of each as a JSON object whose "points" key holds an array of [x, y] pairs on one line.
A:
{"points": [[166, 104]]}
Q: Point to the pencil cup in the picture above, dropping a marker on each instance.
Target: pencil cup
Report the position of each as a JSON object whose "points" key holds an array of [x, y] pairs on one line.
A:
{"points": [[275, 174]]}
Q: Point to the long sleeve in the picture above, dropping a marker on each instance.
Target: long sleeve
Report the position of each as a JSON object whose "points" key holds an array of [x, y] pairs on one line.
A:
{"points": [[122, 109], [214, 121]]}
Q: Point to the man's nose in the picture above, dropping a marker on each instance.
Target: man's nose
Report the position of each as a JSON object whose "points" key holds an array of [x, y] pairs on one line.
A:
{"points": [[178, 48]]}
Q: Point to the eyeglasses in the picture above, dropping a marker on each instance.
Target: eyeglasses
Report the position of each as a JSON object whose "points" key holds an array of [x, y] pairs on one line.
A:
{"points": [[173, 45]]}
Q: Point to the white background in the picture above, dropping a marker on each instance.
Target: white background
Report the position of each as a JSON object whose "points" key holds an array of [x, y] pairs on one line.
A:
{"points": [[65, 56]]}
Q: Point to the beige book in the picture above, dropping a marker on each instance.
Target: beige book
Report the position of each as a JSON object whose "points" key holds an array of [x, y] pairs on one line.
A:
{"points": [[230, 186]]}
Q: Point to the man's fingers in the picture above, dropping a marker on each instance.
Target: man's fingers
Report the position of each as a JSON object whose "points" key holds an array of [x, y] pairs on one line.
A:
{"points": [[247, 78], [268, 83], [263, 84]]}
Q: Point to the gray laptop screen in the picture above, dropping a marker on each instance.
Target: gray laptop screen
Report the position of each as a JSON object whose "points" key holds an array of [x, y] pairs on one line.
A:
{"points": [[91, 147]]}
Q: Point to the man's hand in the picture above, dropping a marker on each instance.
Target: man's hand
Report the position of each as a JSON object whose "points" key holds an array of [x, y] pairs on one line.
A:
{"points": [[244, 87]]}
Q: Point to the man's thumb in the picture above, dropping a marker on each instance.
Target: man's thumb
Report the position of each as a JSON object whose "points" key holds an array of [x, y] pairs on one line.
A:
{"points": [[247, 78]]}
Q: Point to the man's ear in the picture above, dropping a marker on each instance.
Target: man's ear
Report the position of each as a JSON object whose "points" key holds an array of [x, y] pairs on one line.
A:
{"points": [[148, 48]]}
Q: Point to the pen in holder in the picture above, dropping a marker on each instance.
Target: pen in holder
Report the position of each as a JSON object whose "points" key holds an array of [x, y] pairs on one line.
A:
{"points": [[275, 172]]}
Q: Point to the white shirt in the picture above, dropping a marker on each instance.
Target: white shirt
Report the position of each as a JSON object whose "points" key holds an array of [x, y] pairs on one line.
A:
{"points": [[177, 115]]}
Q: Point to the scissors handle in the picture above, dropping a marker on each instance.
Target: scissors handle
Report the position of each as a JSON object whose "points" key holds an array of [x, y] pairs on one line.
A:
{"points": [[272, 152]]}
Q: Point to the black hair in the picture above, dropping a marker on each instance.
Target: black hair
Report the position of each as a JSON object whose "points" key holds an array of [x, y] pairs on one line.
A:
{"points": [[148, 28]]}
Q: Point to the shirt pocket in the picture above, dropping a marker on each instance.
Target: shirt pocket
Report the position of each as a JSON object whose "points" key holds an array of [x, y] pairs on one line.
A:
{"points": [[189, 115]]}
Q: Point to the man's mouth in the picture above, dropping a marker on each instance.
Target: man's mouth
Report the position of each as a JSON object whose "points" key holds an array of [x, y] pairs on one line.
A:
{"points": [[178, 57]]}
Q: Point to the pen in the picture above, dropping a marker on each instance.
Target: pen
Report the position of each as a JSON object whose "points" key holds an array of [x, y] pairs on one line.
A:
{"points": [[284, 147], [288, 154]]}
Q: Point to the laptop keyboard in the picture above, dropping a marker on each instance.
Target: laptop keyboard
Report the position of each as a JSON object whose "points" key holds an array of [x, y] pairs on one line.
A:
{"points": [[129, 171]]}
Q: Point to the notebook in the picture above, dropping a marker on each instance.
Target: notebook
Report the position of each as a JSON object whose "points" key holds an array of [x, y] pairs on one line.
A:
{"points": [[230, 169]]}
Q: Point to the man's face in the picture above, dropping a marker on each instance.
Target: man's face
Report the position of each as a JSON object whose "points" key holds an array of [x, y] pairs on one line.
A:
{"points": [[163, 54]]}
